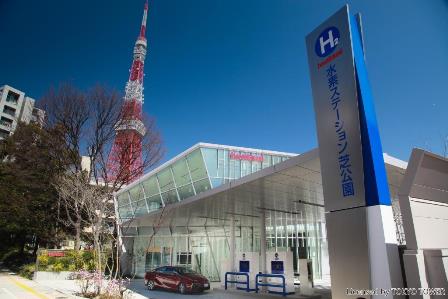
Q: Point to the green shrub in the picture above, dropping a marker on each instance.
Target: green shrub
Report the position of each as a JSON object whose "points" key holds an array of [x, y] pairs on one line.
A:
{"points": [[43, 261], [58, 267], [72, 268], [27, 271], [14, 260], [71, 261]]}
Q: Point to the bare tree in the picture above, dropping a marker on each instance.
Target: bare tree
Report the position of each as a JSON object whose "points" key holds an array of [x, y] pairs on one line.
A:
{"points": [[89, 121], [67, 109], [74, 198]]}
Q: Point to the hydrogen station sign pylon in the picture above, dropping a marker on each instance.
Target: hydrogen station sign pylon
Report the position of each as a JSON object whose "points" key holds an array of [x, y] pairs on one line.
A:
{"points": [[362, 245]]}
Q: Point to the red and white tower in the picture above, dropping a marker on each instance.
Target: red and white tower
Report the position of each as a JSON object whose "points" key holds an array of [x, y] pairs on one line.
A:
{"points": [[125, 159]]}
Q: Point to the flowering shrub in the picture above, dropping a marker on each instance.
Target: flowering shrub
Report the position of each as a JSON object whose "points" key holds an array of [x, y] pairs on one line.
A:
{"points": [[114, 289], [92, 284]]}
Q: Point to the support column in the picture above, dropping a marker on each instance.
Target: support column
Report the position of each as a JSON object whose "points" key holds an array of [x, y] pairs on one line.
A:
{"points": [[263, 242], [232, 243]]}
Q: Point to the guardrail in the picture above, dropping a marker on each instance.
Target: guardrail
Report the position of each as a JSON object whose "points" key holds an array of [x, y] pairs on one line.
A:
{"points": [[282, 285], [236, 281]]}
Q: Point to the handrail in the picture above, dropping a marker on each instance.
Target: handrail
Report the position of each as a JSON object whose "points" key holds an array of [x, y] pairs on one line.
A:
{"points": [[283, 285], [236, 281]]}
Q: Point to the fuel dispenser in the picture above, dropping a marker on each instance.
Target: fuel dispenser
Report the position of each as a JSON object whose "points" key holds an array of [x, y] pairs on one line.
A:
{"points": [[280, 263], [245, 262], [248, 262]]}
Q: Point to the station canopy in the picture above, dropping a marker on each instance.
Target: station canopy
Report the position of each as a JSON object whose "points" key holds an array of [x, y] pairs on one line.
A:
{"points": [[291, 186]]}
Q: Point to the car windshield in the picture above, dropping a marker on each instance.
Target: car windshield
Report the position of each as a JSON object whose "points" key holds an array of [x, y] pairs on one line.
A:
{"points": [[185, 271]]}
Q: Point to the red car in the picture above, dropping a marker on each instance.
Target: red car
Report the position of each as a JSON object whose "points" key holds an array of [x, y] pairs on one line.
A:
{"points": [[175, 278]]}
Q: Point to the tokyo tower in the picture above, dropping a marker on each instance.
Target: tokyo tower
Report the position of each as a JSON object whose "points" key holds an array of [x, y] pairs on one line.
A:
{"points": [[125, 159]]}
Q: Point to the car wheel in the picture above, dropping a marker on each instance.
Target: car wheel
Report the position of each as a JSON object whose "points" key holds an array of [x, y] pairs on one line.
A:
{"points": [[151, 285], [182, 288]]}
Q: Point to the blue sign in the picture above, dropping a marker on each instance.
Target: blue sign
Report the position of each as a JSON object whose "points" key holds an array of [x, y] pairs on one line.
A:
{"points": [[327, 41], [352, 165]]}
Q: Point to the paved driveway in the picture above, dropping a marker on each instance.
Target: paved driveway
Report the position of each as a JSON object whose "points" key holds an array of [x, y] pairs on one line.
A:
{"points": [[137, 286]]}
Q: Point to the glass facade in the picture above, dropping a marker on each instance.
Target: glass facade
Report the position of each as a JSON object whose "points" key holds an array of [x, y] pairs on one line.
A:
{"points": [[205, 245], [197, 171]]}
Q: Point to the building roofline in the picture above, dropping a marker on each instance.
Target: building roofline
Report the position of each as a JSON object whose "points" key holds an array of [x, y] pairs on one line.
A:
{"points": [[196, 146], [394, 161]]}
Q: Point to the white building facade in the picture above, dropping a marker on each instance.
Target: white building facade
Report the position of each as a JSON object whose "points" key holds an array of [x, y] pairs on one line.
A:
{"points": [[16, 107]]}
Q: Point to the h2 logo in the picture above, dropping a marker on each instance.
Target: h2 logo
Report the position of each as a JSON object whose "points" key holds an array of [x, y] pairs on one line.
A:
{"points": [[327, 42]]}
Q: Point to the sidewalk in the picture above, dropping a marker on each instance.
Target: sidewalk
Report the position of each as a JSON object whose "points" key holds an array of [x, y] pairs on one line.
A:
{"points": [[14, 286]]}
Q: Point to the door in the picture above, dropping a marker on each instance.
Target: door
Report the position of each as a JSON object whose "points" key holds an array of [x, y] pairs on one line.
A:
{"points": [[160, 277]]}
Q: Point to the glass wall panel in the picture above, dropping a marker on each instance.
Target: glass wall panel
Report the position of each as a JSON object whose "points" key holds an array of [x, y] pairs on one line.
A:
{"points": [[256, 166], [154, 202], [245, 168], [202, 185], [166, 181], [125, 211], [150, 186], [235, 169], [123, 199], [267, 161], [180, 172], [185, 191], [136, 193], [197, 166], [139, 207], [217, 182], [276, 160], [211, 161], [221, 163], [170, 197]]}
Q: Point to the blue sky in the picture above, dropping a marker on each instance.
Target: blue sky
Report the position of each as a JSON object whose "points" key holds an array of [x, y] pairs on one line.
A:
{"points": [[235, 72]]}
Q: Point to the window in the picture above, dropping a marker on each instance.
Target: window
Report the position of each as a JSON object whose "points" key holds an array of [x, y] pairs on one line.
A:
{"points": [[3, 133], [6, 122], [12, 97], [184, 258], [9, 110]]}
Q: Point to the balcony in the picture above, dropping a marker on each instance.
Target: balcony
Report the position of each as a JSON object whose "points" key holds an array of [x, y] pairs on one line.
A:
{"points": [[6, 124], [10, 111]]}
